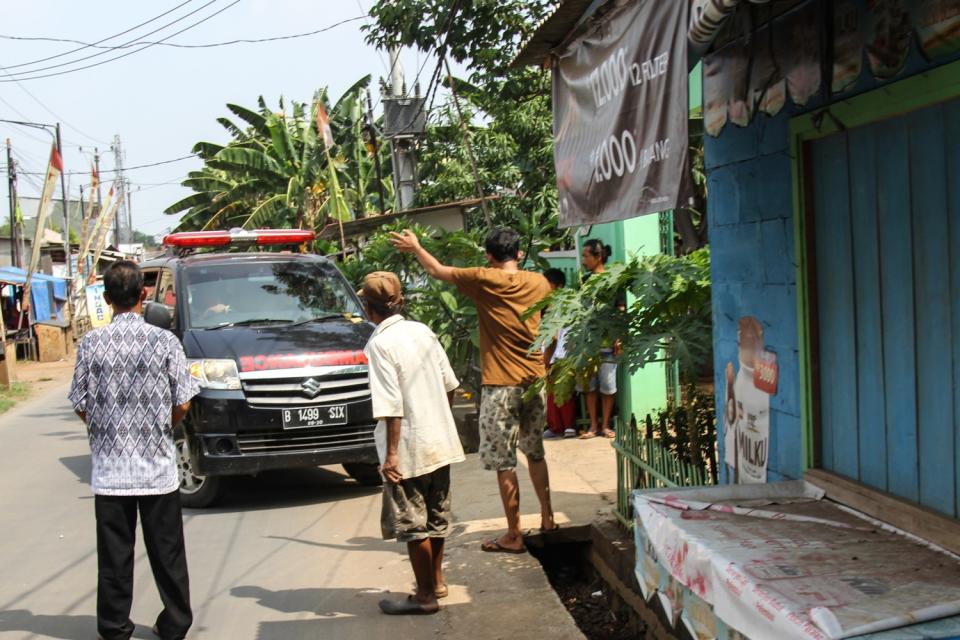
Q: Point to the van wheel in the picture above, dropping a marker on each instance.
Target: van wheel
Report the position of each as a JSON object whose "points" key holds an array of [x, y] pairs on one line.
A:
{"points": [[196, 491], [366, 474]]}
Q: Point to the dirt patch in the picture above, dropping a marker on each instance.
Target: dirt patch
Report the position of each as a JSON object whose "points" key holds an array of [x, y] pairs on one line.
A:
{"points": [[34, 379], [581, 592]]}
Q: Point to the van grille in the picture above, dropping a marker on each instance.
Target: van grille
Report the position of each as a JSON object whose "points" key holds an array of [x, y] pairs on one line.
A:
{"points": [[301, 390], [309, 439]]}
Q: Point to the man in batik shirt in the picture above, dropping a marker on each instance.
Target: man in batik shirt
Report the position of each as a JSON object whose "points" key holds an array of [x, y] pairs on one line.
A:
{"points": [[131, 386]]}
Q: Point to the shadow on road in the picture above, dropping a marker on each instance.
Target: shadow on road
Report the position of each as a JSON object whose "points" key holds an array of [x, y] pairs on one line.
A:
{"points": [[80, 466], [340, 613], [287, 488], [65, 627], [64, 416]]}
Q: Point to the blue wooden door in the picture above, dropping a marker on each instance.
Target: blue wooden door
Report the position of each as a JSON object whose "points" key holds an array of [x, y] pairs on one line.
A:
{"points": [[886, 303]]}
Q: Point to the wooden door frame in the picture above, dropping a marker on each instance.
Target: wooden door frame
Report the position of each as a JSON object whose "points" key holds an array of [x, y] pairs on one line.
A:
{"points": [[892, 100]]}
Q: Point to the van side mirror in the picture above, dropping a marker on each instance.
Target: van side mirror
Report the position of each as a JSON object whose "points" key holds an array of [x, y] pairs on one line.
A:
{"points": [[159, 315]]}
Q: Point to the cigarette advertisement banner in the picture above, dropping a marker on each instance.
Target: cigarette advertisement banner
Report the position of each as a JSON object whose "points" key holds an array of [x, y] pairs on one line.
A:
{"points": [[620, 116]]}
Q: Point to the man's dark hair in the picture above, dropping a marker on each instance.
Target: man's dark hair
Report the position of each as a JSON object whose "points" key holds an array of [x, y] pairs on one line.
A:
{"points": [[383, 310], [598, 249], [503, 244], [556, 277], [122, 284]]}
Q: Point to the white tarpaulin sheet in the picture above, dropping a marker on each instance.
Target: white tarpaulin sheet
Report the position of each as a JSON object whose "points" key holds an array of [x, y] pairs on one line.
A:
{"points": [[778, 561]]}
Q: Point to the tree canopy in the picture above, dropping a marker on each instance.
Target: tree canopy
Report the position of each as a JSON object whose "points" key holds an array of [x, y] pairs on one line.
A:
{"points": [[274, 170]]}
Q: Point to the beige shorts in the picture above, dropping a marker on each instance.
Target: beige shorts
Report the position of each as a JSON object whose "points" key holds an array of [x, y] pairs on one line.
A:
{"points": [[508, 422]]}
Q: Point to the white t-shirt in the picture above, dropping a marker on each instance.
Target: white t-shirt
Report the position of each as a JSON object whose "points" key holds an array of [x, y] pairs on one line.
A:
{"points": [[410, 377]]}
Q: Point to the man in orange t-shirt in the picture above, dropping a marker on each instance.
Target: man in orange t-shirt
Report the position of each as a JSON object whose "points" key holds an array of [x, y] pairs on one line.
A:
{"points": [[503, 293]]}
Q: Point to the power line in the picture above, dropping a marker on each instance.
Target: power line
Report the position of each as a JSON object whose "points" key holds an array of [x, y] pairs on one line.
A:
{"points": [[48, 110], [100, 53], [66, 53], [125, 169], [130, 53], [191, 46]]}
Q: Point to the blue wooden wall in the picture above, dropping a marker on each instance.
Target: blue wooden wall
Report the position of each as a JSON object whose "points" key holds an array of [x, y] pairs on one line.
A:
{"points": [[750, 212], [753, 266], [887, 250]]}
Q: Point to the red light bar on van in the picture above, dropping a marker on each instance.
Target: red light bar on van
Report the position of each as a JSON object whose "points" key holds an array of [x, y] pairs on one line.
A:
{"points": [[194, 239]]}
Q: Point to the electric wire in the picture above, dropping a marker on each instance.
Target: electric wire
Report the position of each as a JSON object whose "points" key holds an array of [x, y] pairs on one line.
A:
{"points": [[129, 53], [177, 45], [100, 53], [66, 53], [59, 118]]}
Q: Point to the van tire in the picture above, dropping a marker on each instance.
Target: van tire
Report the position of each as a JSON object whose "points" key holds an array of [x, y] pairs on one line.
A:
{"points": [[365, 473], [196, 492]]}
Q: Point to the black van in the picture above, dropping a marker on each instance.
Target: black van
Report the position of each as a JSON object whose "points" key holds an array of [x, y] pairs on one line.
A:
{"points": [[276, 341]]}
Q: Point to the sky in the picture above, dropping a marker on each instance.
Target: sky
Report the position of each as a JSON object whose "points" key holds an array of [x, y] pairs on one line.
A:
{"points": [[162, 100]]}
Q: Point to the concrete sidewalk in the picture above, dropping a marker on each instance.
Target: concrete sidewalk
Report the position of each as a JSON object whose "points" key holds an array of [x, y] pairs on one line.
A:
{"points": [[496, 595]]}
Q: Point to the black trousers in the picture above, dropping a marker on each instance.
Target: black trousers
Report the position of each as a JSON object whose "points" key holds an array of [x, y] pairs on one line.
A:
{"points": [[162, 523]]}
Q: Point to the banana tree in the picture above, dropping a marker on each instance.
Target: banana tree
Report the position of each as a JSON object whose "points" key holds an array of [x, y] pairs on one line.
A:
{"points": [[274, 171]]}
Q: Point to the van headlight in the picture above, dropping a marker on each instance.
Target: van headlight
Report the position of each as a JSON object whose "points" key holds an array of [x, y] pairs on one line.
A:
{"points": [[215, 374]]}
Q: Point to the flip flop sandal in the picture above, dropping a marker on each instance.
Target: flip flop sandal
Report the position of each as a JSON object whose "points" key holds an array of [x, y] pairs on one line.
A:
{"points": [[609, 433], [586, 435], [493, 546], [406, 607], [442, 592]]}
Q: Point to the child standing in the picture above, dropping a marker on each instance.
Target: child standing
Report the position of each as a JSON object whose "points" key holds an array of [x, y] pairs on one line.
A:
{"points": [[561, 419]]}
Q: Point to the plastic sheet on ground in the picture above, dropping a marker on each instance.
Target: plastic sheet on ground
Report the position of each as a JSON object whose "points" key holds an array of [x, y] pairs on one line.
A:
{"points": [[778, 560]]}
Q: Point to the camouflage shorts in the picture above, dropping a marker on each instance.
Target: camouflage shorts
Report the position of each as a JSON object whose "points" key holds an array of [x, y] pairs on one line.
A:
{"points": [[417, 508], [508, 422]]}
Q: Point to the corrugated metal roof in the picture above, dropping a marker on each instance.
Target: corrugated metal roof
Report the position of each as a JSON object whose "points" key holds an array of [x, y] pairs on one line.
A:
{"points": [[552, 32]]}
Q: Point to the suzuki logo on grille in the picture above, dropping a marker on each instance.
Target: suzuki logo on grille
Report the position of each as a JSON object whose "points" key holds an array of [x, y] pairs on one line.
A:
{"points": [[311, 387]]}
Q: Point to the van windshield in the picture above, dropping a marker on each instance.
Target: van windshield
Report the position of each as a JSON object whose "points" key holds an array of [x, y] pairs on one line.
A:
{"points": [[265, 292]]}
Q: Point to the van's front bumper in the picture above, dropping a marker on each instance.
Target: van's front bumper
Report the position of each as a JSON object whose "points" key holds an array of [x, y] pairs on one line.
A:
{"points": [[229, 437]]}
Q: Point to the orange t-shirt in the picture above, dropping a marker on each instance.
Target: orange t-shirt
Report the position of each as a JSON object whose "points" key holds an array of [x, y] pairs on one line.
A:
{"points": [[502, 297]]}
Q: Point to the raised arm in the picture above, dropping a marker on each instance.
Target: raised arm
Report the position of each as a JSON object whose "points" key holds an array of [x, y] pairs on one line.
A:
{"points": [[407, 242]]}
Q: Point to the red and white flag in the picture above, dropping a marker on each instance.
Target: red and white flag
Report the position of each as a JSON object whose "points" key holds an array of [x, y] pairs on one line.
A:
{"points": [[54, 169], [323, 125]]}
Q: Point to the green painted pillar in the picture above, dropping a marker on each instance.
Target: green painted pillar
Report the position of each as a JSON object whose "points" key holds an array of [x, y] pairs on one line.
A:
{"points": [[645, 390]]}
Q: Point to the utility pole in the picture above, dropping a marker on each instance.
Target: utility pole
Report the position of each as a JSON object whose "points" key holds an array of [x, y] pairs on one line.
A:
{"points": [[122, 230], [405, 123], [96, 164], [375, 144], [12, 187], [66, 210]]}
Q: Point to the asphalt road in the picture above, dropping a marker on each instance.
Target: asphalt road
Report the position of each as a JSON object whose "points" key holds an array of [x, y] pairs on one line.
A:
{"points": [[287, 555]]}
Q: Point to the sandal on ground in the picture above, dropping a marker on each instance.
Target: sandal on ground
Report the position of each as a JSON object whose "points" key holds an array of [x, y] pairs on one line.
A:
{"points": [[494, 546], [609, 433], [407, 607], [441, 592], [586, 435]]}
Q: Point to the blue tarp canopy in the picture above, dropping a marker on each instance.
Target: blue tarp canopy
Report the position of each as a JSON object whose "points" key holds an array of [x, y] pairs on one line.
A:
{"points": [[48, 294]]}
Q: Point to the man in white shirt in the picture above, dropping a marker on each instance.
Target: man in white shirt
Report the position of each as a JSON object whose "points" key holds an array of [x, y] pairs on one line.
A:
{"points": [[412, 384]]}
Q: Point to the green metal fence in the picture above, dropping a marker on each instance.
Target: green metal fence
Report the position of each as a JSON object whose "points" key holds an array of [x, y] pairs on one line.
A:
{"points": [[646, 462]]}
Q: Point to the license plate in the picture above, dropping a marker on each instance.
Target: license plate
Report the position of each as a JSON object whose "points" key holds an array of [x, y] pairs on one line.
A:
{"points": [[314, 416]]}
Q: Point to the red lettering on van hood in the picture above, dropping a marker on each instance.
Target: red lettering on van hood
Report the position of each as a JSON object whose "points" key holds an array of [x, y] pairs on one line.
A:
{"points": [[269, 362]]}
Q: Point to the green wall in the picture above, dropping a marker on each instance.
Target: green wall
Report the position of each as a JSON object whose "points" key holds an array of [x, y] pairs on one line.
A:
{"points": [[646, 389]]}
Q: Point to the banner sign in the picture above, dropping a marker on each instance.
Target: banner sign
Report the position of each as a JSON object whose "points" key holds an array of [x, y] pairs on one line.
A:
{"points": [[620, 116], [100, 312]]}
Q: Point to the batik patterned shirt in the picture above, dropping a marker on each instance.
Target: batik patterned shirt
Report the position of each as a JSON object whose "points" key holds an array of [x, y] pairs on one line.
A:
{"points": [[127, 379]]}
